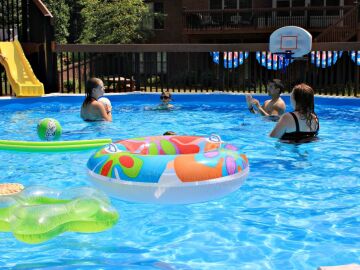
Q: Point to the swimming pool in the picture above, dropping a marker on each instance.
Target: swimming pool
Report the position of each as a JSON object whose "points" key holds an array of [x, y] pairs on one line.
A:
{"points": [[298, 209]]}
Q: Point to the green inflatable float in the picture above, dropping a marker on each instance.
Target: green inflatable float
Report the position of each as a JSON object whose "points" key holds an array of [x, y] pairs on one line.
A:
{"points": [[59, 146], [38, 214]]}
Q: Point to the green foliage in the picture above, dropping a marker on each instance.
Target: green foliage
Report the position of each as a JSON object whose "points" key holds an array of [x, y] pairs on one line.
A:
{"points": [[69, 85], [153, 79], [76, 20], [113, 21], [61, 12]]}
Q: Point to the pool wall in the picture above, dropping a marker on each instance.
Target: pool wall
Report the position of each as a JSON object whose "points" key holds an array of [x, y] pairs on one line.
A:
{"points": [[177, 97]]}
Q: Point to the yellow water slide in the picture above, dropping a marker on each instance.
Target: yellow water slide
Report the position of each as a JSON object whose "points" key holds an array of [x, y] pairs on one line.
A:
{"points": [[18, 70]]}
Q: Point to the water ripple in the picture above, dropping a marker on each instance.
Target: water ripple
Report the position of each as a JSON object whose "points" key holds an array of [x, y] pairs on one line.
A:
{"points": [[297, 210]]}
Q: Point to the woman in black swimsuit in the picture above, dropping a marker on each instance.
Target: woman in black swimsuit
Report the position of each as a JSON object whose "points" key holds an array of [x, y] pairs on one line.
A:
{"points": [[302, 124]]}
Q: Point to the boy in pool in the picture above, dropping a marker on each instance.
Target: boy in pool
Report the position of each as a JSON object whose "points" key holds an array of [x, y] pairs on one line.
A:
{"points": [[92, 109], [165, 98], [272, 108]]}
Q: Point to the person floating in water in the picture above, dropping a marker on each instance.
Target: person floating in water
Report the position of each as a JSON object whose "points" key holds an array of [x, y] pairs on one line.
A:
{"points": [[92, 109], [302, 124], [272, 108]]}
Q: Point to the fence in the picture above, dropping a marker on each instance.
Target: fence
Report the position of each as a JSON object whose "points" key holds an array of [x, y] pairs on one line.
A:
{"points": [[333, 70]]}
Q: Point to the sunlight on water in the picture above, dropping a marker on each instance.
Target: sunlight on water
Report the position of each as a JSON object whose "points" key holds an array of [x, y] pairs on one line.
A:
{"points": [[298, 209]]}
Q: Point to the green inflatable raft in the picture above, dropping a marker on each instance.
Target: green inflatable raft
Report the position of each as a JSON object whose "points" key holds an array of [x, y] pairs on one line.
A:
{"points": [[57, 146], [38, 214]]}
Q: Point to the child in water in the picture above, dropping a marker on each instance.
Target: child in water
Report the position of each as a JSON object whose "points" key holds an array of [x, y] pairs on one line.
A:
{"points": [[92, 109], [165, 98]]}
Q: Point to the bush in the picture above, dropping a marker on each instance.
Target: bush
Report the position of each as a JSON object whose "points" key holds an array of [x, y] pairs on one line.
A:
{"points": [[154, 79]]}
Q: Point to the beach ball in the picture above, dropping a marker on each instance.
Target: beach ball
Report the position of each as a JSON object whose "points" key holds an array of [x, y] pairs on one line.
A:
{"points": [[49, 129], [105, 101]]}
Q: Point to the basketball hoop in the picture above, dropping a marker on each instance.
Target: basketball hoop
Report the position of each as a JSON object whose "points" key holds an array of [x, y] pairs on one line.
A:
{"points": [[290, 41]]}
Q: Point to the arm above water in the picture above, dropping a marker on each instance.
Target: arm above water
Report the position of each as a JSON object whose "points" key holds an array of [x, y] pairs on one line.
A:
{"points": [[105, 112], [281, 126], [260, 108]]}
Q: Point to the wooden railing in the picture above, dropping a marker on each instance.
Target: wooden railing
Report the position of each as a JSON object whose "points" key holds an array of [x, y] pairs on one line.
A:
{"points": [[191, 67], [343, 29], [261, 18]]}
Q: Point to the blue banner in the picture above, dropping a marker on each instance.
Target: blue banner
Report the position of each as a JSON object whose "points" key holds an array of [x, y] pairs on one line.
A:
{"points": [[355, 56], [231, 59], [272, 61], [325, 59]]}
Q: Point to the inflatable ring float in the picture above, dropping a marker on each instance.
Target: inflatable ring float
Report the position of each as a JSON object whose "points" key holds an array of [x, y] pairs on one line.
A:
{"points": [[37, 214], [168, 169]]}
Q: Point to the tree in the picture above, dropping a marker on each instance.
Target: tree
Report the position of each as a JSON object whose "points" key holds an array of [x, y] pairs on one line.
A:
{"points": [[76, 20], [117, 21], [60, 10]]}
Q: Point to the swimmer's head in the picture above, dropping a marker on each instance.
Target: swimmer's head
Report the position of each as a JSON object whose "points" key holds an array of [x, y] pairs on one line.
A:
{"points": [[302, 99], [275, 87], [165, 97], [169, 133], [94, 88]]}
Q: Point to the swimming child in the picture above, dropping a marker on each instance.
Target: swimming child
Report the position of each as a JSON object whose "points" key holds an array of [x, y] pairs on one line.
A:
{"points": [[165, 98], [92, 109]]}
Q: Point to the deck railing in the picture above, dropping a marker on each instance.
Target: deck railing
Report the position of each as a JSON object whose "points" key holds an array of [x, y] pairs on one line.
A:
{"points": [[261, 19], [343, 29], [190, 67]]}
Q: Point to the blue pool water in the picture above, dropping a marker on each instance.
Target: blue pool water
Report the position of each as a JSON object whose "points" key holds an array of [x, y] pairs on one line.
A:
{"points": [[298, 209]]}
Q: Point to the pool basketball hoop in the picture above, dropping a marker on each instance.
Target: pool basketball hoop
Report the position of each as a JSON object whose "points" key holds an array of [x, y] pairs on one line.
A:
{"points": [[290, 41]]}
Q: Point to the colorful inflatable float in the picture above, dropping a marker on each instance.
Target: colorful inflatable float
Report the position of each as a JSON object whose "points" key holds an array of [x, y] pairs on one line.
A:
{"points": [[168, 169], [37, 214]]}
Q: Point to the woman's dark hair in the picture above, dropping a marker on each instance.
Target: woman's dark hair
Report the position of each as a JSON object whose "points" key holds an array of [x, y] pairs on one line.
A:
{"points": [[90, 85], [303, 95]]}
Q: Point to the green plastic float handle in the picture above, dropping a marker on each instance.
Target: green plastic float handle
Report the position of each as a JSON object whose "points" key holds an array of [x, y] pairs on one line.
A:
{"points": [[58, 146]]}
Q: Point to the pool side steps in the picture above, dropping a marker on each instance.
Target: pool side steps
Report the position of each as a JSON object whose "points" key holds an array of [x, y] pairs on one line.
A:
{"points": [[341, 267]]}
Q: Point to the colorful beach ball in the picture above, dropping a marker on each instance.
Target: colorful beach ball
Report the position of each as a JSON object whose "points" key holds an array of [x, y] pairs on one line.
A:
{"points": [[49, 129]]}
